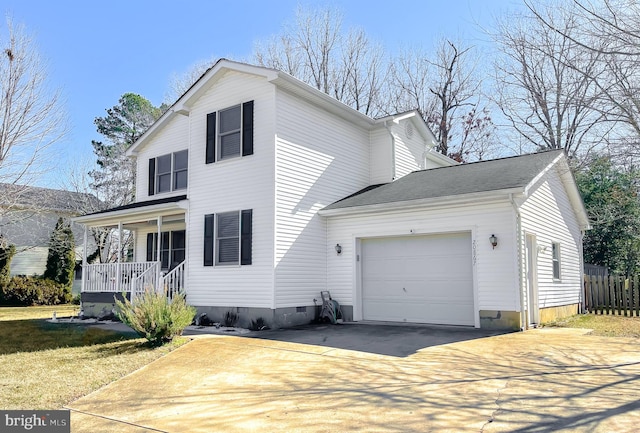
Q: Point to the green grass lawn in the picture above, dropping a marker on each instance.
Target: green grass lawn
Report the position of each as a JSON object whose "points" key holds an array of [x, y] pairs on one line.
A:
{"points": [[607, 326], [46, 365]]}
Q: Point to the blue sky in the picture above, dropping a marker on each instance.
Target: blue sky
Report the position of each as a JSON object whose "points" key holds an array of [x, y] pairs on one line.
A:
{"points": [[96, 51]]}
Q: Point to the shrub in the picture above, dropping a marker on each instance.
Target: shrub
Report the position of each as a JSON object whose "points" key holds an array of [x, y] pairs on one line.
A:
{"points": [[230, 319], [259, 325], [27, 291], [155, 317]]}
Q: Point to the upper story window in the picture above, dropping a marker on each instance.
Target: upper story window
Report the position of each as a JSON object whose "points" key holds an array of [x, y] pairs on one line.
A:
{"points": [[230, 133], [555, 258], [168, 172]]}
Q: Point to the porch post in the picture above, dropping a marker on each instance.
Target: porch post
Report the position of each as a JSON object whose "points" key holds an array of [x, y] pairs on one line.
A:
{"points": [[158, 255], [119, 267], [84, 260]]}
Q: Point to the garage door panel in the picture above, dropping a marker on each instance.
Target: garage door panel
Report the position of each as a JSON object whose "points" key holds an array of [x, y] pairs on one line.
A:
{"points": [[439, 313], [423, 279]]}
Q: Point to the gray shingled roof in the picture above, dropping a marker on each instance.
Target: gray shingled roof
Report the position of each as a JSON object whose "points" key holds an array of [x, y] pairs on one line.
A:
{"points": [[483, 176], [31, 197]]}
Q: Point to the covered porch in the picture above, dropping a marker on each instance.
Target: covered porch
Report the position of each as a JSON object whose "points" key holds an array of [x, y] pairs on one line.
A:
{"points": [[146, 249]]}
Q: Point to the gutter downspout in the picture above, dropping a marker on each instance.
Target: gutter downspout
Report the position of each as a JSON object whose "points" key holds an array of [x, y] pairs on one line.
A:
{"points": [[393, 151], [523, 317]]}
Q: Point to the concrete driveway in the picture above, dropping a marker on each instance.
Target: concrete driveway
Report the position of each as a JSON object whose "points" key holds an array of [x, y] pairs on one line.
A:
{"points": [[351, 381]]}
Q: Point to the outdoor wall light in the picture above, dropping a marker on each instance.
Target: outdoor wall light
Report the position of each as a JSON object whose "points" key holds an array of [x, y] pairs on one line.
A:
{"points": [[494, 241], [338, 249]]}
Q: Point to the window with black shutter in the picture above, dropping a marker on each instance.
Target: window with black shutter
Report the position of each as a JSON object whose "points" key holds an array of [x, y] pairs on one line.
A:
{"points": [[228, 238], [229, 133], [168, 172]]}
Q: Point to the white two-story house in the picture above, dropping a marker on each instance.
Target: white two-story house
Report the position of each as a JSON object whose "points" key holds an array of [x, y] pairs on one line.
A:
{"points": [[255, 192]]}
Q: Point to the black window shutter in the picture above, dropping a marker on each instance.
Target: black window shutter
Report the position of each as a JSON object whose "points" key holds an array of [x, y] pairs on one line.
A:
{"points": [[247, 128], [245, 237], [152, 176], [211, 138], [150, 247], [208, 239]]}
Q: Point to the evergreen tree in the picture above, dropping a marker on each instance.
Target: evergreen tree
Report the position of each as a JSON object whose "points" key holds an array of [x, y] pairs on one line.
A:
{"points": [[610, 195], [114, 178], [61, 259], [7, 252]]}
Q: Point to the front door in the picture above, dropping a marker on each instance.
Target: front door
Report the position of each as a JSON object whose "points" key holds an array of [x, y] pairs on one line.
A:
{"points": [[532, 281]]}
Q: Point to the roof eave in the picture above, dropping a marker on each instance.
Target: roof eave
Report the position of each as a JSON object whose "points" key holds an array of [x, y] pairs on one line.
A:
{"points": [[412, 204], [130, 215], [290, 83], [183, 105]]}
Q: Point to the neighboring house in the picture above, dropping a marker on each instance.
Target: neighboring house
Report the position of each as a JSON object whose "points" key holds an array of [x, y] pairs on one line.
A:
{"points": [[28, 216], [255, 192]]}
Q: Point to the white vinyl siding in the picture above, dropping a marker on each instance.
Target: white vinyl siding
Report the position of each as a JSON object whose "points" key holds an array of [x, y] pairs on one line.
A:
{"points": [[548, 214], [32, 261], [174, 136], [410, 148], [320, 158], [230, 185], [495, 270], [380, 158]]}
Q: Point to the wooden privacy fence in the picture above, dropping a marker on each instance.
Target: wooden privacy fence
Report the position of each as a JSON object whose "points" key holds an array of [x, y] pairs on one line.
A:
{"points": [[613, 294]]}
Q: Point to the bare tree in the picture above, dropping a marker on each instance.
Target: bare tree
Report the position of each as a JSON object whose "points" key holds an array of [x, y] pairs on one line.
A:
{"points": [[347, 66], [31, 118], [546, 84], [180, 83], [608, 31], [446, 90]]}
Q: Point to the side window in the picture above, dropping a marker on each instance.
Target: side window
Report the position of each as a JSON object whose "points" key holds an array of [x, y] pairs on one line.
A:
{"points": [[555, 257], [228, 238], [229, 133], [180, 169], [163, 176], [168, 172]]}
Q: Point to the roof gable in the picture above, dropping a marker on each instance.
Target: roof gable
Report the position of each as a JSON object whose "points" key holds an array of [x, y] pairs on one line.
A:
{"points": [[283, 80]]}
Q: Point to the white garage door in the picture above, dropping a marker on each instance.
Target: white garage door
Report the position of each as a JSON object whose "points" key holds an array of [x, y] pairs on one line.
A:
{"points": [[422, 279]]}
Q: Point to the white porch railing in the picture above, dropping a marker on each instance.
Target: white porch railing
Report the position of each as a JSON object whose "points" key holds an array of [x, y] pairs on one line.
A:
{"points": [[173, 281], [117, 277], [133, 278], [146, 280]]}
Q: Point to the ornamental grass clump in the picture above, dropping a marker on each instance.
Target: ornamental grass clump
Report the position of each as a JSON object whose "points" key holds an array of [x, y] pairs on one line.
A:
{"points": [[156, 317]]}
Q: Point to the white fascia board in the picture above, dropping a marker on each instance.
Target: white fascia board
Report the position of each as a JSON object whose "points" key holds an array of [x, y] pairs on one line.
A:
{"points": [[417, 120], [131, 215], [440, 158], [311, 94], [542, 173], [561, 165], [571, 186], [183, 105], [462, 199]]}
